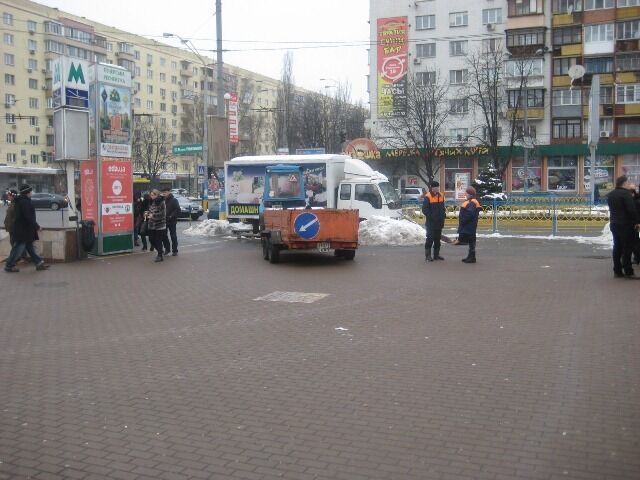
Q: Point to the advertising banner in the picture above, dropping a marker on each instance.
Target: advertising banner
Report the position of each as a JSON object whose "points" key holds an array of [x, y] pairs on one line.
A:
{"points": [[392, 66], [462, 183], [115, 121], [232, 114], [117, 195], [89, 191]]}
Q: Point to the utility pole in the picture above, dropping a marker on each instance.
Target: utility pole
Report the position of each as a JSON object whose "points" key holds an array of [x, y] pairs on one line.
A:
{"points": [[219, 65]]}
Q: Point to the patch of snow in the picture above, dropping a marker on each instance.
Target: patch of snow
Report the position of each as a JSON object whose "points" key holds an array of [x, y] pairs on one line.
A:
{"points": [[210, 228], [389, 231]]}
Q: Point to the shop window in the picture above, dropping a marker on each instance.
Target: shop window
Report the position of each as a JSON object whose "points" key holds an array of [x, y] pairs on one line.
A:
{"points": [[604, 173], [453, 166], [631, 167], [533, 174], [562, 173]]}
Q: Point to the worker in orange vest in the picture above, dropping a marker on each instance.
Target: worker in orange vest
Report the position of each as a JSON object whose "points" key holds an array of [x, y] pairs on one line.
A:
{"points": [[468, 224], [433, 208]]}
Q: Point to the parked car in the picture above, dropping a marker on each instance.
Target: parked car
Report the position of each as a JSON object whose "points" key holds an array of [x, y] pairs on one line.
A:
{"points": [[49, 200], [189, 208], [412, 195], [214, 209], [180, 191]]}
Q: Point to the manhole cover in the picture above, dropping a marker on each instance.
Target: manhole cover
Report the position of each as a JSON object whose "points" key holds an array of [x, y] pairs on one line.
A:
{"points": [[51, 284], [292, 297]]}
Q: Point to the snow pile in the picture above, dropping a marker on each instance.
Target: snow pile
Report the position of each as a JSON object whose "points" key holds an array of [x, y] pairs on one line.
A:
{"points": [[209, 228], [497, 195], [388, 231]]}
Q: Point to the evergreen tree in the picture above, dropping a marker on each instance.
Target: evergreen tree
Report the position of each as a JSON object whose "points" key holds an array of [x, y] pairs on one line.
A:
{"points": [[488, 181]]}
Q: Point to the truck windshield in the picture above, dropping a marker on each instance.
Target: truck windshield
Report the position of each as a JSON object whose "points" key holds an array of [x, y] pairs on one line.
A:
{"points": [[390, 195], [285, 185]]}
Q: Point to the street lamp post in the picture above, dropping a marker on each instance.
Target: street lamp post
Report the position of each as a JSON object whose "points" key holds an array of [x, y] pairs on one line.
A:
{"points": [[205, 132]]}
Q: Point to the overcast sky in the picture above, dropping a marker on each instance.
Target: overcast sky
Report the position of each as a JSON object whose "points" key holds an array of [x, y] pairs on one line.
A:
{"points": [[260, 31]]}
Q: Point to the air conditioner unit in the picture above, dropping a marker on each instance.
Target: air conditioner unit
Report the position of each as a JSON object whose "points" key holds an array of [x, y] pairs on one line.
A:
{"points": [[491, 26], [148, 64], [417, 61], [32, 52], [605, 134], [31, 32], [29, 70], [44, 87]]}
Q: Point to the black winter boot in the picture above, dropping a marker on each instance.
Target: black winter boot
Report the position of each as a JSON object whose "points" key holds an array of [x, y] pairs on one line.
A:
{"points": [[471, 256], [436, 254]]}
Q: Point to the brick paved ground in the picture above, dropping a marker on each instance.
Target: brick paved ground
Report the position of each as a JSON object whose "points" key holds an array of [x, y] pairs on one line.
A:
{"points": [[522, 366]]}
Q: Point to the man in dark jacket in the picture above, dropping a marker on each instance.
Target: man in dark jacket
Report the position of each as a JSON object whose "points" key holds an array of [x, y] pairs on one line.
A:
{"points": [[10, 215], [636, 235], [25, 232], [433, 208], [173, 210], [468, 224], [623, 218]]}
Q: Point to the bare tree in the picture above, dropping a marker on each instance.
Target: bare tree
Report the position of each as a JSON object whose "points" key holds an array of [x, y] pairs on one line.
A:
{"points": [[422, 129], [496, 92], [151, 146], [284, 104]]}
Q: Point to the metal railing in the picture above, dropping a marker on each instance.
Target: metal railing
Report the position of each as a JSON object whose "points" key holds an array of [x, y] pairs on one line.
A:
{"points": [[540, 214]]}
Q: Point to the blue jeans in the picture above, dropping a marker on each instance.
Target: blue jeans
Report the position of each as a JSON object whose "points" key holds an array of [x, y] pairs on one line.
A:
{"points": [[16, 253]]}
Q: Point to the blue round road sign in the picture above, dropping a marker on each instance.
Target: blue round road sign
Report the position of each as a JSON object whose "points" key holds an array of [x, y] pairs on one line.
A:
{"points": [[307, 225]]}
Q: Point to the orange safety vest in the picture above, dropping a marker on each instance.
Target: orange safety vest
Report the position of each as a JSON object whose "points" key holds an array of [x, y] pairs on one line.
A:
{"points": [[473, 200], [435, 199]]}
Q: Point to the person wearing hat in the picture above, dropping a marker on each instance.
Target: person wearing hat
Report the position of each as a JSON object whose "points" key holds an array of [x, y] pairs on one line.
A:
{"points": [[433, 208], [25, 232], [468, 224]]}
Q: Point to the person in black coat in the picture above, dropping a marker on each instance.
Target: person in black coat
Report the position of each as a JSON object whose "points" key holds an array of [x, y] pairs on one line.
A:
{"points": [[25, 232], [468, 224], [434, 209], [623, 218], [173, 210], [635, 191]]}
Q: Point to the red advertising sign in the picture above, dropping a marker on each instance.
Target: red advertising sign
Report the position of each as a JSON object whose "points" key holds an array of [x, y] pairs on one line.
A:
{"points": [[89, 191], [392, 66], [117, 195], [232, 114]]}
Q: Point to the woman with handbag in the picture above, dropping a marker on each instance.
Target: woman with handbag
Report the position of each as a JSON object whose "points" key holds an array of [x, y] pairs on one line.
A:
{"points": [[157, 222]]}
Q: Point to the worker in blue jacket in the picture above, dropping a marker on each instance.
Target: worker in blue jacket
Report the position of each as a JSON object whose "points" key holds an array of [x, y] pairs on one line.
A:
{"points": [[433, 208], [468, 224]]}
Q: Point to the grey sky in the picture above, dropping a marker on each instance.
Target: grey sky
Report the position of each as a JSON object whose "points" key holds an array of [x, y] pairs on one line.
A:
{"points": [[266, 22]]}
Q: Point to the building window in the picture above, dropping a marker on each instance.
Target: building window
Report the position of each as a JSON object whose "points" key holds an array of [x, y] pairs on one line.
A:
{"points": [[136, 102], [163, 61], [150, 89], [627, 129], [9, 79], [136, 54], [174, 109], [628, 30], [32, 45], [628, 3], [35, 158], [567, 35], [78, 35], [149, 104], [628, 93], [174, 123], [11, 158], [163, 77], [458, 19], [174, 96], [598, 65], [34, 103], [456, 165], [491, 15], [458, 77], [174, 65], [604, 172], [54, 47], [631, 167], [149, 59], [33, 84], [566, 128], [426, 78], [523, 38], [33, 139], [606, 125], [561, 66], [7, 19], [598, 4], [562, 173], [458, 48], [8, 39], [601, 32], [33, 64], [425, 50], [9, 99], [459, 105], [523, 7], [11, 138], [524, 68], [163, 107], [163, 92], [566, 96], [10, 118], [9, 59], [53, 28], [566, 6], [535, 98], [174, 80], [136, 71], [533, 174], [149, 74], [626, 63], [491, 45], [33, 121]]}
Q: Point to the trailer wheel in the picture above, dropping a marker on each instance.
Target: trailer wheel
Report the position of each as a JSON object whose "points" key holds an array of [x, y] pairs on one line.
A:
{"points": [[349, 254], [265, 249], [274, 252]]}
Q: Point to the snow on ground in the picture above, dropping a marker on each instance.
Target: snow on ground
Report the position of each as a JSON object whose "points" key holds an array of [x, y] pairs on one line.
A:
{"points": [[388, 231], [391, 232]]}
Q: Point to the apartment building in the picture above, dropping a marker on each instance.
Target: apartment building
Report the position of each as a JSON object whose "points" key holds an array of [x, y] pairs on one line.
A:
{"points": [[168, 84], [542, 40]]}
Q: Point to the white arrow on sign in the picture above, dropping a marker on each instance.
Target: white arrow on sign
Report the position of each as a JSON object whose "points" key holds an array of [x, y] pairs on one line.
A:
{"points": [[304, 227]]}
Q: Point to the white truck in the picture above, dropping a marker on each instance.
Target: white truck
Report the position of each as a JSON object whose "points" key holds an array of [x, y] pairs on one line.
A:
{"points": [[331, 181]]}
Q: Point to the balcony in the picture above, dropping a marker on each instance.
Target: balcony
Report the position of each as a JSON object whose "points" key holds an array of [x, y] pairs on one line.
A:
{"points": [[187, 97], [627, 45], [125, 51], [186, 70], [100, 44], [562, 19], [533, 113], [525, 41]]}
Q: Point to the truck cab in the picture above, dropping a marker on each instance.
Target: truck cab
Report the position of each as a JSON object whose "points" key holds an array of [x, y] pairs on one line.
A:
{"points": [[369, 198]]}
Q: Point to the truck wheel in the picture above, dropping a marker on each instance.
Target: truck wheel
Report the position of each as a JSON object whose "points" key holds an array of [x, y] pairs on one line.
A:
{"points": [[349, 254], [274, 253], [265, 248]]}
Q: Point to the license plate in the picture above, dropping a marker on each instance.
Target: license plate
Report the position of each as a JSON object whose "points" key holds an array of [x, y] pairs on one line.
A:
{"points": [[324, 247]]}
